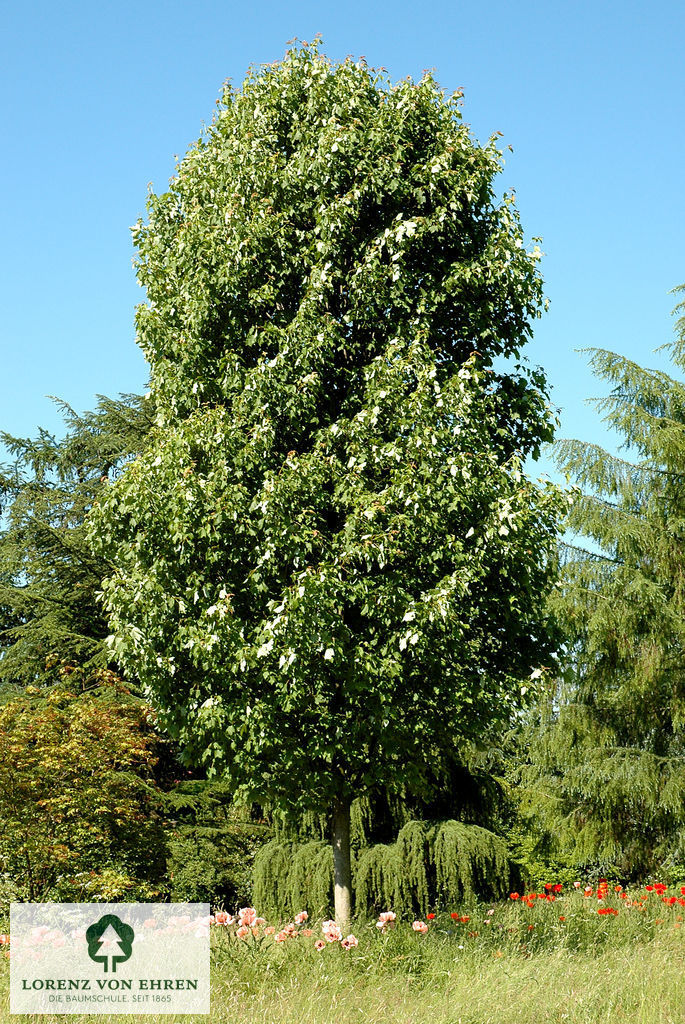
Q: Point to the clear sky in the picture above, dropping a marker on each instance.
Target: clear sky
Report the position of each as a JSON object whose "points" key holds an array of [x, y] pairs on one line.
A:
{"points": [[97, 98]]}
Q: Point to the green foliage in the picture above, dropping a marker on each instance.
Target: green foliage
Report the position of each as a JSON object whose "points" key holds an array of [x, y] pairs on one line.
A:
{"points": [[427, 865], [212, 845], [467, 784], [607, 779], [80, 814], [48, 573], [330, 565], [431, 865]]}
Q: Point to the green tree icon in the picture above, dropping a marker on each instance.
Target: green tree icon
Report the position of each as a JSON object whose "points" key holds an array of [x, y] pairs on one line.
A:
{"points": [[110, 941]]}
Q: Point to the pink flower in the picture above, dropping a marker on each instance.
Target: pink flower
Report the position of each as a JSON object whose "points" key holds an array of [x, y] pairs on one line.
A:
{"points": [[242, 932], [260, 920], [349, 942], [577, 885], [4, 940], [319, 944], [301, 917], [282, 936], [420, 926], [248, 916], [306, 932], [221, 917], [386, 916], [269, 930], [331, 932]]}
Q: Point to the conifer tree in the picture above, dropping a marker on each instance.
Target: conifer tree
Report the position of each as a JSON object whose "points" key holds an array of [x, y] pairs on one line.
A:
{"points": [[331, 568], [49, 574], [607, 778]]}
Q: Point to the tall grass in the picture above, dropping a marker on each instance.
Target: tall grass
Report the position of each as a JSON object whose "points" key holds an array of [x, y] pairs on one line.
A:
{"points": [[526, 966]]}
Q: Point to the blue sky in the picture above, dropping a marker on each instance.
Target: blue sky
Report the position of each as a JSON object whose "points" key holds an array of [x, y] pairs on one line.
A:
{"points": [[98, 98]]}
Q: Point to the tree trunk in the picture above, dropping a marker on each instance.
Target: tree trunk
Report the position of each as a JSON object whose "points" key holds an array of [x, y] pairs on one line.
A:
{"points": [[342, 869]]}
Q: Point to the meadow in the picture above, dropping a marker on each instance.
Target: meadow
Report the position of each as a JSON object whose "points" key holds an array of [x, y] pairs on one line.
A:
{"points": [[582, 955]]}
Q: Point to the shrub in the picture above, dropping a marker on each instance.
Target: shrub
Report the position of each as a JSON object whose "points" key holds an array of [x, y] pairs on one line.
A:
{"points": [[79, 808]]}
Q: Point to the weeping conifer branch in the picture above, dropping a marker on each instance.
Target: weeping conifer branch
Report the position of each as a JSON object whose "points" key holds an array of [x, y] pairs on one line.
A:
{"points": [[427, 865]]}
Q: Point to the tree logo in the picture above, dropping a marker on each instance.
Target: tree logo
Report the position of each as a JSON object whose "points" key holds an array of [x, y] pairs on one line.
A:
{"points": [[110, 942]]}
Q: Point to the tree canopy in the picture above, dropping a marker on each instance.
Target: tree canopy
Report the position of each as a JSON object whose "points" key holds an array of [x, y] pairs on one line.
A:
{"points": [[330, 565]]}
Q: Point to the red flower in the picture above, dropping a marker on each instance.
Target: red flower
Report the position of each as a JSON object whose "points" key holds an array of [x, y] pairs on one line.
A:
{"points": [[649, 888], [513, 895], [561, 917], [430, 917], [558, 888], [463, 920], [454, 916]]}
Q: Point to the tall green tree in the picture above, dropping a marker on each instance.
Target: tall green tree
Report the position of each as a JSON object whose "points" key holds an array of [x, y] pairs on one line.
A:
{"points": [[607, 778], [331, 567], [49, 574]]}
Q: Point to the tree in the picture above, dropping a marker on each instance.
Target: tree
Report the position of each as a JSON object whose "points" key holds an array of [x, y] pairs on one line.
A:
{"points": [[49, 574], [330, 566], [607, 775], [79, 807]]}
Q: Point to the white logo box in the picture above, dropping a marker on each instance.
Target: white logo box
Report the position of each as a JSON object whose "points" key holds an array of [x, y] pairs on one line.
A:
{"points": [[109, 958]]}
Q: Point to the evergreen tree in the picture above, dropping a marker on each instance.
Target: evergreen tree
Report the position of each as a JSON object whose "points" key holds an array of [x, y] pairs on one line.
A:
{"points": [[607, 778], [331, 568], [49, 574]]}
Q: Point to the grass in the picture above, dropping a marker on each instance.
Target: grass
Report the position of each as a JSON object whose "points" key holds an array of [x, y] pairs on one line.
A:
{"points": [[586, 969]]}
